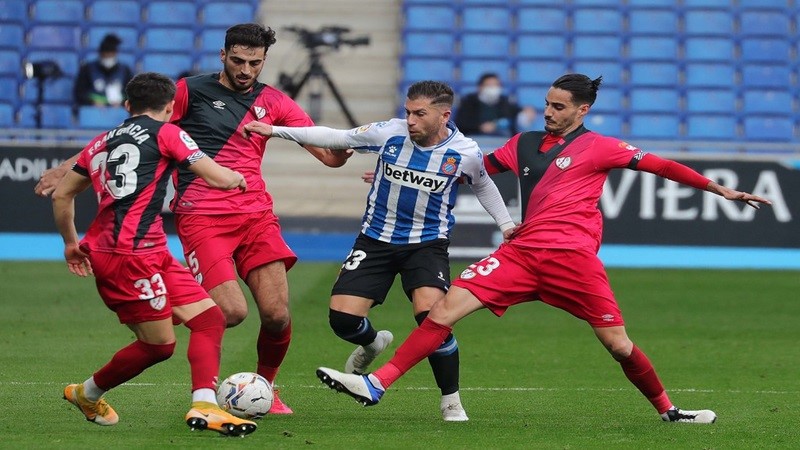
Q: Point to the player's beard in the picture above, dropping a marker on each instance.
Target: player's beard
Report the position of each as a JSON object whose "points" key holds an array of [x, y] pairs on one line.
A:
{"points": [[230, 77]]}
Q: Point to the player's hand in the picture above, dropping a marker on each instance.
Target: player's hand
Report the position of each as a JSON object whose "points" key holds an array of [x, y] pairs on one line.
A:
{"points": [[77, 261], [242, 183], [734, 195], [48, 181], [368, 177], [264, 129], [337, 158], [509, 233]]}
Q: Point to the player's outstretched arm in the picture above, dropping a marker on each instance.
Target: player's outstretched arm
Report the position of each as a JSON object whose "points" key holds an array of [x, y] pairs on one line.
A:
{"points": [[329, 145], [734, 195], [218, 176], [64, 212], [50, 177]]}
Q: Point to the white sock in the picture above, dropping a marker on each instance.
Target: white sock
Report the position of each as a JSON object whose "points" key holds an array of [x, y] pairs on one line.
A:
{"points": [[451, 399], [204, 395], [91, 391]]}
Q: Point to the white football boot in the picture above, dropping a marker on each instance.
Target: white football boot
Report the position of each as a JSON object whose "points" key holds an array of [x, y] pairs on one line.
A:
{"points": [[682, 415], [362, 357], [452, 410]]}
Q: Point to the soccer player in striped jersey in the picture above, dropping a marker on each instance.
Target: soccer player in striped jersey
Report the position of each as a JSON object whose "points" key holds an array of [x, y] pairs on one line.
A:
{"points": [[407, 222], [552, 254], [126, 249]]}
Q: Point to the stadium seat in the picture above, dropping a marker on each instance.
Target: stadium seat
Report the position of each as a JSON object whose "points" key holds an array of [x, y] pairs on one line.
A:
{"points": [[532, 95], [170, 64], [582, 3], [9, 90], [116, 12], [13, 11], [766, 76], [655, 126], [597, 21], [177, 13], [168, 39], [721, 101], [435, 18], [128, 35], [67, 60], [541, 20], [225, 14], [654, 74], [654, 100], [705, 4], [535, 2], [12, 36], [716, 75], [532, 71], [486, 19], [702, 22], [597, 47], [100, 118], [764, 23], [609, 100], [485, 2], [768, 102], [714, 127], [57, 90], [765, 50], [57, 116], [10, 63], [538, 46], [418, 69], [613, 72], [474, 45], [54, 37], [709, 49], [608, 124], [209, 62], [768, 128], [6, 115], [472, 69], [641, 48], [763, 5], [212, 40], [636, 4], [26, 116], [58, 11], [653, 22]]}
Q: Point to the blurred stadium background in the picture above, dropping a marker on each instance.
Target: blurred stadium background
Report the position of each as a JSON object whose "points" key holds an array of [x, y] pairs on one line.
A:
{"points": [[711, 82]]}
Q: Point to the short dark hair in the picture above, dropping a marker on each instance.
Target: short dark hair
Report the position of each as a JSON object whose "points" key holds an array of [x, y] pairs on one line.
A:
{"points": [[583, 88], [249, 35], [149, 91], [487, 76], [110, 43], [439, 93]]}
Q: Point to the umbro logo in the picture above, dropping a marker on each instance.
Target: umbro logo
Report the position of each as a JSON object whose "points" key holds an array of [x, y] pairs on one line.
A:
{"points": [[260, 112], [219, 104], [526, 171]]}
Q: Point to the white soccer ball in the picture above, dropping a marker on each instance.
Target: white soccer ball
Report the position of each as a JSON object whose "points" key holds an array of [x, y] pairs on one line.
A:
{"points": [[246, 395]]}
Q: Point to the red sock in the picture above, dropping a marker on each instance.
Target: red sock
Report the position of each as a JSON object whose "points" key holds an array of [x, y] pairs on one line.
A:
{"points": [[205, 346], [129, 362], [643, 375], [272, 348], [423, 341]]}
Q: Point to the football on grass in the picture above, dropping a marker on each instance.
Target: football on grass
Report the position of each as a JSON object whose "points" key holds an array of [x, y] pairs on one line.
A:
{"points": [[246, 395]]}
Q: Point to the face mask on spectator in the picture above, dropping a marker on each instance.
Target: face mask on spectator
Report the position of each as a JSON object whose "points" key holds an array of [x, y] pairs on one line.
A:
{"points": [[108, 62], [490, 94]]}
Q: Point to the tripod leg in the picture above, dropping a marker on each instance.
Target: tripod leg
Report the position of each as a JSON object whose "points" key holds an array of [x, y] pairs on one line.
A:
{"points": [[339, 99]]}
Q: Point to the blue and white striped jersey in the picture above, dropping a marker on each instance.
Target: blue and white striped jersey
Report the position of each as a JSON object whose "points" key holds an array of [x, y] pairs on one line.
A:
{"points": [[415, 188]]}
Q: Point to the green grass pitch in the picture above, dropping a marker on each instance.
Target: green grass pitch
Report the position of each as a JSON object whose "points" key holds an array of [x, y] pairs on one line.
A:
{"points": [[536, 378]]}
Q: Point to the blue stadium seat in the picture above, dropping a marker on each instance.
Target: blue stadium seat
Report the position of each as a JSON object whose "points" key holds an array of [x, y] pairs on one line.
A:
{"points": [[57, 116], [225, 14], [26, 116], [766, 76], [170, 64], [485, 2], [712, 127], [209, 62], [472, 69], [6, 115], [764, 23], [635, 4], [486, 19], [212, 40], [67, 60], [535, 2], [704, 4], [100, 118], [717, 75], [13, 11], [475, 45], [54, 36], [57, 90], [169, 12], [435, 18], [653, 21], [612, 71], [532, 95], [12, 36], [765, 50], [609, 100], [655, 126], [541, 20], [764, 5], [654, 100], [128, 35], [168, 39], [702, 22], [597, 21], [538, 46], [641, 48], [116, 12], [539, 72], [721, 101], [582, 3], [608, 124], [597, 47], [654, 74], [9, 90], [768, 102], [418, 69], [767, 128], [58, 11], [10, 63], [709, 49]]}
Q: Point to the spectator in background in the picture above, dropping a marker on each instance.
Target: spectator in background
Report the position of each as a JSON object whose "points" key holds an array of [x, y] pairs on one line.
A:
{"points": [[102, 82], [490, 112]]}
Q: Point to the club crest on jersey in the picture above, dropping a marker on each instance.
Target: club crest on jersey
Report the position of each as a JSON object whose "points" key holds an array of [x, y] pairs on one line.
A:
{"points": [[449, 166], [219, 104], [260, 112], [467, 274], [563, 162], [627, 146], [158, 303], [363, 128]]}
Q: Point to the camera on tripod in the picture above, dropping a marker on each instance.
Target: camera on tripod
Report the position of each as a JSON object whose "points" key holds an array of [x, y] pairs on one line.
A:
{"points": [[327, 36]]}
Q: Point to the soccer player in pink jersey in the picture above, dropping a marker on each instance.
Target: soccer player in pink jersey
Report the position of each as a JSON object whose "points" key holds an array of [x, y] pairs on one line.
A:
{"points": [[126, 249], [552, 254]]}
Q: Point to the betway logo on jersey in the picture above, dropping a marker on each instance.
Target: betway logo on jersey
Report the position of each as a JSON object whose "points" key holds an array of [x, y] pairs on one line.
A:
{"points": [[414, 178]]}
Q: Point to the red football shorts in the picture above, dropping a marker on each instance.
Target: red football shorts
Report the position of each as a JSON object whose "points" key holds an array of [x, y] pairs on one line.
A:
{"points": [[217, 247], [572, 280], [143, 288]]}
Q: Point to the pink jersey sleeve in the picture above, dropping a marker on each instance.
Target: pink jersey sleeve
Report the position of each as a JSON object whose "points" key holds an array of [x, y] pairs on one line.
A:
{"points": [[504, 158], [291, 114], [181, 101], [612, 153], [174, 143]]}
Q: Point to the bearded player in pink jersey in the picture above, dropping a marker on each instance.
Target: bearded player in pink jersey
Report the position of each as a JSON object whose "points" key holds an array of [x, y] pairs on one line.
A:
{"points": [[552, 255]]}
